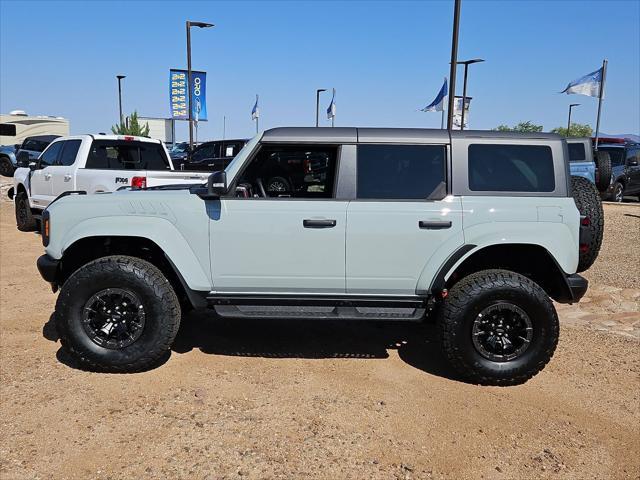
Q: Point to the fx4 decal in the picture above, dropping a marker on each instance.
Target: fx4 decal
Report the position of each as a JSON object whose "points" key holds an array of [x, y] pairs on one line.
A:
{"points": [[122, 180]]}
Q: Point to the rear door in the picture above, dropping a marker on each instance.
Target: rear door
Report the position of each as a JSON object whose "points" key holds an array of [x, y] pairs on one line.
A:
{"points": [[400, 219], [63, 172]]}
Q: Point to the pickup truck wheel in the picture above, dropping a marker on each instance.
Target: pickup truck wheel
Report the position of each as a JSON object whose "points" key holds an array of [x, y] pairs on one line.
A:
{"points": [[618, 192], [6, 167], [24, 218], [117, 314], [589, 205], [603, 164], [498, 327]]}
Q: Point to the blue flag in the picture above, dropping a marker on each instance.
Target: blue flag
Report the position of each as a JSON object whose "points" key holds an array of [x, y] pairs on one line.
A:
{"points": [[255, 112], [331, 111], [588, 85], [438, 103]]}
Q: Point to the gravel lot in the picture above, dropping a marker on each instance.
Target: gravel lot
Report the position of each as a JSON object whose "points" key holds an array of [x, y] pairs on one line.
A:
{"points": [[288, 399]]}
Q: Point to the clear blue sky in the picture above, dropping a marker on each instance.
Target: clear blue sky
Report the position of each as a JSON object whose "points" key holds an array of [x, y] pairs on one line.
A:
{"points": [[386, 60]]}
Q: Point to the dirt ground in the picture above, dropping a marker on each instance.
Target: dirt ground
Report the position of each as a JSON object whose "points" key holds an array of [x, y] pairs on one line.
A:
{"points": [[286, 399]]}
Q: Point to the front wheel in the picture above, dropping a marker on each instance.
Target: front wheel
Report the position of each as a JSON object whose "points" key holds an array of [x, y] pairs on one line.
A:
{"points": [[24, 218], [498, 328], [117, 314], [6, 167], [618, 192]]}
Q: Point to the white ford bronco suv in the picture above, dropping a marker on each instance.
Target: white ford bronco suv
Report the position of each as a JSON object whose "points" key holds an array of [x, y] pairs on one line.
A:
{"points": [[93, 164], [475, 229]]}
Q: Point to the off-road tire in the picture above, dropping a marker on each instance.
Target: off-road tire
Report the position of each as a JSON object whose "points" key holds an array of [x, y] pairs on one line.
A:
{"points": [[617, 194], [468, 298], [149, 284], [589, 204], [603, 164], [25, 220], [6, 167]]}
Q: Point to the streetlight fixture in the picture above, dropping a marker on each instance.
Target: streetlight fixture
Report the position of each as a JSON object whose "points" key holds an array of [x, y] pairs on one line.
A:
{"points": [[318, 91], [569, 121], [466, 64], [120, 77], [190, 24]]}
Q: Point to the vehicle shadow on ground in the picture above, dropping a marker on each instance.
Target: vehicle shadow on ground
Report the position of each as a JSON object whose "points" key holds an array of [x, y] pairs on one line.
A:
{"points": [[416, 343]]}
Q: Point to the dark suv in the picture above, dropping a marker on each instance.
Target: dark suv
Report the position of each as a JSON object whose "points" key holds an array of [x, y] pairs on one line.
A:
{"points": [[210, 156], [625, 169]]}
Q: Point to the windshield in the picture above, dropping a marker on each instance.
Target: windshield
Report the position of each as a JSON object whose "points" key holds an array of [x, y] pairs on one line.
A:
{"points": [[234, 166]]}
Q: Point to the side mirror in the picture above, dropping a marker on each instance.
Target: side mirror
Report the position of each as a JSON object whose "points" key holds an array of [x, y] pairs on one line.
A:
{"points": [[33, 166], [216, 186], [23, 159]]}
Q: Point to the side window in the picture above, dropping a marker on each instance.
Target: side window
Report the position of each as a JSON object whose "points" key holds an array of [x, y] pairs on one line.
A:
{"points": [[231, 149], [34, 145], [204, 152], [576, 152], [283, 171], [50, 155], [511, 168], [617, 157], [400, 171], [633, 154], [69, 152]]}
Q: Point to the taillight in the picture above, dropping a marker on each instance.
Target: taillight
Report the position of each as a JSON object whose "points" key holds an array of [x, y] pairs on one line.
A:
{"points": [[585, 221], [129, 138], [139, 182]]}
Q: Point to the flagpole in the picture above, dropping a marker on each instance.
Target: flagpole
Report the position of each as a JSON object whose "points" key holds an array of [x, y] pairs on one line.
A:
{"points": [[604, 76], [454, 62]]}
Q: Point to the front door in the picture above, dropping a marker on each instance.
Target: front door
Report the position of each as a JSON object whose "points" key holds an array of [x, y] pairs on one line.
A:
{"points": [[63, 178], [400, 220], [633, 170], [284, 230], [41, 178]]}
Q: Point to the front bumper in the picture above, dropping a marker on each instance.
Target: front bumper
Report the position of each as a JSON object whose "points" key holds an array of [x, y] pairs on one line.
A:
{"points": [[577, 286], [49, 269]]}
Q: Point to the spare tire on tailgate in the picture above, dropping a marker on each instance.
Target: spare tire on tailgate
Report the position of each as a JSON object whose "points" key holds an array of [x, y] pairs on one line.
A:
{"points": [[603, 164], [587, 199]]}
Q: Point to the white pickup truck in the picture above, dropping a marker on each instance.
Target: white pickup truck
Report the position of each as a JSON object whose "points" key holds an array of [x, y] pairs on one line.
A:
{"points": [[92, 164]]}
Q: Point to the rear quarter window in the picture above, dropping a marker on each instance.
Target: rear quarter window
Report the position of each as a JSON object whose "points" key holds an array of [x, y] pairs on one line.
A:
{"points": [[577, 152], [511, 168]]}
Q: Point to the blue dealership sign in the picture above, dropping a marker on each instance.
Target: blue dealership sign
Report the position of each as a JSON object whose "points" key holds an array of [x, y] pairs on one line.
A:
{"points": [[179, 98]]}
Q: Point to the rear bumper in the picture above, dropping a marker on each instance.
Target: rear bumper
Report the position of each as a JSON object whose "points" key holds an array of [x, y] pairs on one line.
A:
{"points": [[577, 286], [48, 268]]}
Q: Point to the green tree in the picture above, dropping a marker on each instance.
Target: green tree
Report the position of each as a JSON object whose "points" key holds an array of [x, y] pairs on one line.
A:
{"points": [[577, 130], [524, 127], [131, 126]]}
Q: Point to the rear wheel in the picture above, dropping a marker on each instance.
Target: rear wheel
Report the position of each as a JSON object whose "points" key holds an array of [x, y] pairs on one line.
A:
{"points": [[498, 327], [589, 205], [117, 314], [603, 164], [24, 218]]}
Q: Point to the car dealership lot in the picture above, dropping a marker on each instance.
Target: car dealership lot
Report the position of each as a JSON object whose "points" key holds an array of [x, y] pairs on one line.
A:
{"points": [[291, 399]]}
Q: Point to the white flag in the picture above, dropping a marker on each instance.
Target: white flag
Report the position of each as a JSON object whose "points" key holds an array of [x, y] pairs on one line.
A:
{"points": [[255, 112], [588, 85], [331, 111]]}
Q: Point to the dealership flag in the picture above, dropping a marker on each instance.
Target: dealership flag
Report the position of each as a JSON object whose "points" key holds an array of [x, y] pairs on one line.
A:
{"points": [[588, 85], [255, 112], [438, 103], [331, 111]]}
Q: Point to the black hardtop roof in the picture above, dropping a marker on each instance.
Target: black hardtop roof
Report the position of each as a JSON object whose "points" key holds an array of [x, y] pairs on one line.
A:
{"points": [[368, 134]]}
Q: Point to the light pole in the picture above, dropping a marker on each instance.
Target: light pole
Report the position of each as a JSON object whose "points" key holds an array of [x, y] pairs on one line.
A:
{"points": [[318, 91], [466, 64], [569, 121], [190, 24], [120, 77]]}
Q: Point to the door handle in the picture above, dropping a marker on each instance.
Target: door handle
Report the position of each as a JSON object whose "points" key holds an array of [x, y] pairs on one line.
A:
{"points": [[67, 178], [434, 224], [311, 223]]}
